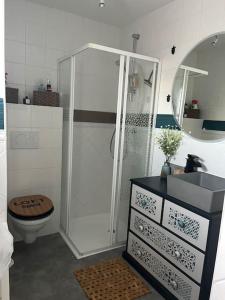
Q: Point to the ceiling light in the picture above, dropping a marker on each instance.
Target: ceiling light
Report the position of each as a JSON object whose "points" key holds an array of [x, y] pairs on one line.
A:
{"points": [[102, 3]]}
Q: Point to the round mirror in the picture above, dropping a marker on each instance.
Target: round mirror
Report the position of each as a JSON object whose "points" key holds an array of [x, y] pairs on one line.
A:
{"points": [[198, 95]]}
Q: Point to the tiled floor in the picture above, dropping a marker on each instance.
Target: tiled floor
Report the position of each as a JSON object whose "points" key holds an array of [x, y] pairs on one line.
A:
{"points": [[44, 271]]}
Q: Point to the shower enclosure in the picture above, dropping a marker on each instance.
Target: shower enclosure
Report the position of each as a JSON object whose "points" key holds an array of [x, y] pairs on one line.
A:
{"points": [[108, 99]]}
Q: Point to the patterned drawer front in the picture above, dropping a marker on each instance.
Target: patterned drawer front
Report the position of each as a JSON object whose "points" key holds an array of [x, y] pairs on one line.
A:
{"points": [[185, 257], [177, 283], [146, 202], [187, 224]]}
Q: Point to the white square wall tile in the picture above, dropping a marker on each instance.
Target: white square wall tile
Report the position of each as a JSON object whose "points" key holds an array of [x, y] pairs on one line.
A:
{"points": [[45, 158], [50, 138], [15, 12], [36, 13], [35, 56], [18, 181], [18, 115], [56, 29], [46, 117], [57, 117], [36, 33], [18, 159], [52, 56], [35, 75], [41, 116], [16, 73], [15, 51], [44, 178]]}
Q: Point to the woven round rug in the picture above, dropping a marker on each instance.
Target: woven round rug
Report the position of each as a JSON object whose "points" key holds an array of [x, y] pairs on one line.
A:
{"points": [[111, 280]]}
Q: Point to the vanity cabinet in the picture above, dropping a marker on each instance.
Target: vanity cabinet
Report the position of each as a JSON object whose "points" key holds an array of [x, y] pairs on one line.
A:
{"points": [[171, 243]]}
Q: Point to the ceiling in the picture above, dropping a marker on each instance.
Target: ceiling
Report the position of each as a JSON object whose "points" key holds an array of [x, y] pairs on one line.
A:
{"points": [[116, 12]]}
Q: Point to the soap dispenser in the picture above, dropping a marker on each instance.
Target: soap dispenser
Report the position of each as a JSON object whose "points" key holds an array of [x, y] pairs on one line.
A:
{"points": [[192, 164]]}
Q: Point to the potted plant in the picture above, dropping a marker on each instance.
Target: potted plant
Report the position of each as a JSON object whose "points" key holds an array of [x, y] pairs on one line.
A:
{"points": [[169, 142]]}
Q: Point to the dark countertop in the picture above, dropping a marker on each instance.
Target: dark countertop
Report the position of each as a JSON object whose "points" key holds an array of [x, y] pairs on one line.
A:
{"points": [[158, 186]]}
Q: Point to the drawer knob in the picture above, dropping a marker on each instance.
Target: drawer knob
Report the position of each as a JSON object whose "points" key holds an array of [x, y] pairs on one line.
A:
{"points": [[174, 284], [138, 253], [141, 227], [177, 254], [181, 223]]}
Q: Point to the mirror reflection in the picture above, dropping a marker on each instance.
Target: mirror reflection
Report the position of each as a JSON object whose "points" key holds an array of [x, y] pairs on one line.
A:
{"points": [[199, 90]]}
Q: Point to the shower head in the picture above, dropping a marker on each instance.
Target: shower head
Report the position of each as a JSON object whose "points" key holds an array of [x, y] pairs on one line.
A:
{"points": [[136, 36], [149, 80]]}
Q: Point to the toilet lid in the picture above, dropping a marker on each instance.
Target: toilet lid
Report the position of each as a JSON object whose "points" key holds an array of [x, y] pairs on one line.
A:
{"points": [[30, 207]]}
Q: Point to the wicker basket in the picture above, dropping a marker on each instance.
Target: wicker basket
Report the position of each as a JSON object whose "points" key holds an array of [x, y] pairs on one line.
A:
{"points": [[45, 98]]}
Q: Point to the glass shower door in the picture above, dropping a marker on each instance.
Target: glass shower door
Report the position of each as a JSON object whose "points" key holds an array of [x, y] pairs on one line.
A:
{"points": [[97, 109], [136, 136]]}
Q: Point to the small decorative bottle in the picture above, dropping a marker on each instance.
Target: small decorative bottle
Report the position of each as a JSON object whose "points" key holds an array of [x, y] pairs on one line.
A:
{"points": [[49, 87], [26, 100]]}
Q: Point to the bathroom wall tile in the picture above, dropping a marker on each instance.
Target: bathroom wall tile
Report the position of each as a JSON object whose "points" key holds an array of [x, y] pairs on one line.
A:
{"points": [[36, 33], [57, 117], [18, 159], [16, 73], [74, 24], [18, 115], [56, 30], [44, 178], [49, 138], [34, 75], [15, 12], [52, 56], [45, 116], [92, 35], [36, 13], [45, 158], [11, 55], [19, 180], [35, 56]]}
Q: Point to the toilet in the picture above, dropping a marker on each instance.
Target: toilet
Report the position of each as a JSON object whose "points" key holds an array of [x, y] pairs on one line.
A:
{"points": [[29, 214]]}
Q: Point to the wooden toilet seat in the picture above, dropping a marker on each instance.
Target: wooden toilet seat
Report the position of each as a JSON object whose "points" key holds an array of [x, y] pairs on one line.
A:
{"points": [[32, 207]]}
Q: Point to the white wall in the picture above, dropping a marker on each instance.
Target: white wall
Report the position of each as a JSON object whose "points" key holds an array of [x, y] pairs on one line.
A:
{"points": [[36, 36], [36, 171], [184, 24]]}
